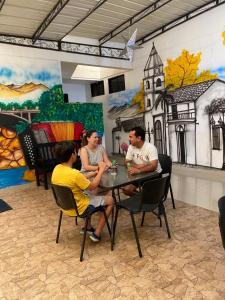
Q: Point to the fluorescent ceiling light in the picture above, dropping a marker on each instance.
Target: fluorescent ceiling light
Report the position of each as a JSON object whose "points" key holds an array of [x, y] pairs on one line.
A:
{"points": [[87, 73], [94, 73]]}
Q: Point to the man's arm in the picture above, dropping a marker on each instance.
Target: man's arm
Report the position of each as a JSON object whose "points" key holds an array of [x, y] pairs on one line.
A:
{"points": [[95, 182], [142, 168]]}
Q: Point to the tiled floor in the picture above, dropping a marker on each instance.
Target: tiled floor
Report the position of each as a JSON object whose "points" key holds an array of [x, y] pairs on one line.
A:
{"points": [[189, 266]]}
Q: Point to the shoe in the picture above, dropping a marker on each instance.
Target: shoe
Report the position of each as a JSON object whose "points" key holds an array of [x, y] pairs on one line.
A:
{"points": [[89, 230], [94, 237]]}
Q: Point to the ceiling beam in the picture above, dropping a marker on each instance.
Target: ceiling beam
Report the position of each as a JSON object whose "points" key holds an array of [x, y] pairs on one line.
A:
{"points": [[136, 18], [85, 17], [50, 17], [184, 18], [1, 3]]}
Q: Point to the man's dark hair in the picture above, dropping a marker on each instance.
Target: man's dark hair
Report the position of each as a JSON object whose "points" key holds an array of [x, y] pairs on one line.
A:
{"points": [[139, 132], [63, 151]]}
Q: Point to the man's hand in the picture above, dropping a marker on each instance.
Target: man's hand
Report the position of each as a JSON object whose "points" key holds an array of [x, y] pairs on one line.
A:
{"points": [[133, 171], [92, 173]]}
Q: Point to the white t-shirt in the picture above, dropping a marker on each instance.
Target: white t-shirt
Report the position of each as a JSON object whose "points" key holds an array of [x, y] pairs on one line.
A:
{"points": [[145, 154]]}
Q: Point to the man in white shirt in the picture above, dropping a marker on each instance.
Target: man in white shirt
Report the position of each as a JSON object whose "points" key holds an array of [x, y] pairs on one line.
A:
{"points": [[141, 156]]}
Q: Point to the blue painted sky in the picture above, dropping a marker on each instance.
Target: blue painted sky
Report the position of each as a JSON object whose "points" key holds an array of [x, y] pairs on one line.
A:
{"points": [[121, 98], [220, 71], [25, 70]]}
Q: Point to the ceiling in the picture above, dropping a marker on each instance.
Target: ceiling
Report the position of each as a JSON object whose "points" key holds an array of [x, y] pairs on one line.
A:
{"points": [[103, 20]]}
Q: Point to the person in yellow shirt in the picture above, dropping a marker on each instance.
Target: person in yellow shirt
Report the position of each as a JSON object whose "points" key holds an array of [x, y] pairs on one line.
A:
{"points": [[63, 174]]}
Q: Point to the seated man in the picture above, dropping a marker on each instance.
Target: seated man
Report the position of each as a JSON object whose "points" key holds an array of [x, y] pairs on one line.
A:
{"points": [[63, 174], [141, 157]]}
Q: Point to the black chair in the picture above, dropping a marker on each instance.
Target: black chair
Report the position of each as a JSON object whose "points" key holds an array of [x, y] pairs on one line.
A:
{"points": [[166, 165], [65, 200], [40, 157], [150, 199], [221, 205]]}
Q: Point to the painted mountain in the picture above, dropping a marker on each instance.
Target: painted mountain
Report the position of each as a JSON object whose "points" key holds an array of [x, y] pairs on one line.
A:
{"points": [[126, 104], [20, 93]]}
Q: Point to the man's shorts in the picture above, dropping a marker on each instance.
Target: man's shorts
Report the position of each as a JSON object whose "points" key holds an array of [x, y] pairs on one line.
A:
{"points": [[96, 200]]}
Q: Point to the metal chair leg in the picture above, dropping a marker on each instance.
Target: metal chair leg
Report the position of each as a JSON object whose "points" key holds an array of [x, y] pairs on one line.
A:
{"points": [[114, 229], [37, 177], [46, 180], [84, 239], [118, 194], [59, 226], [107, 222], [136, 235], [160, 220], [167, 225], [143, 218], [171, 193]]}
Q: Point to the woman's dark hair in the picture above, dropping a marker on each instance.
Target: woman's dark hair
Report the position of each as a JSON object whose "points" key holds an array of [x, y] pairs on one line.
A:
{"points": [[139, 132], [87, 135], [63, 151]]}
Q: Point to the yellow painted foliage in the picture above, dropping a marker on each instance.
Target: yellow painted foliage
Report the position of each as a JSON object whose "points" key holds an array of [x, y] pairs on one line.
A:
{"points": [[139, 99], [184, 70], [223, 36]]}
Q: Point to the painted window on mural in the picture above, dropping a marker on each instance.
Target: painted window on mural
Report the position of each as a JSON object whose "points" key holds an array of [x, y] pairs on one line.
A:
{"points": [[174, 112], [147, 85], [158, 82], [216, 138], [148, 102], [158, 136]]}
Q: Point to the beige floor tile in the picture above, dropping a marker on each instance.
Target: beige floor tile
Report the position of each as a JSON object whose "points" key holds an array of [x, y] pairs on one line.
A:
{"points": [[189, 266]]}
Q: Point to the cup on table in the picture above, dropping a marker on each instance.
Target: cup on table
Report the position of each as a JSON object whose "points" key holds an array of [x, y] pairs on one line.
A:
{"points": [[114, 167]]}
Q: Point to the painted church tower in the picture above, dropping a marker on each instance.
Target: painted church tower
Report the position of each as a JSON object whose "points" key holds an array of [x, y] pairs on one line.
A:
{"points": [[155, 119], [153, 78]]}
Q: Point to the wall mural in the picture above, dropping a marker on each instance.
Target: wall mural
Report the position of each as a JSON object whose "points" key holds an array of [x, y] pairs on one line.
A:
{"points": [[126, 108], [189, 123], [184, 109], [31, 93], [22, 83]]}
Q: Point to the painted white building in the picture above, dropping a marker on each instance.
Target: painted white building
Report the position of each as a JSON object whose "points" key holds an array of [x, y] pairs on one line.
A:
{"points": [[182, 125]]}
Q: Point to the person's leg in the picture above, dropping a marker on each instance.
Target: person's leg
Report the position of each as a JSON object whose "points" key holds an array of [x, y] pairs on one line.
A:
{"points": [[108, 202], [129, 189]]}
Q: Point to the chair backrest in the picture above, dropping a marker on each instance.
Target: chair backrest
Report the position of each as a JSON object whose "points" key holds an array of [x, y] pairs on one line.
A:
{"points": [[64, 197], [221, 205], [154, 191], [166, 163]]}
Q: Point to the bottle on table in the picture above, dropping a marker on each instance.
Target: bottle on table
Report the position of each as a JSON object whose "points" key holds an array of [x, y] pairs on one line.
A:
{"points": [[114, 167]]}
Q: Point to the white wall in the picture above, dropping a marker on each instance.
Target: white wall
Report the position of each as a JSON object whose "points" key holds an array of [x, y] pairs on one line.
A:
{"points": [[78, 91]]}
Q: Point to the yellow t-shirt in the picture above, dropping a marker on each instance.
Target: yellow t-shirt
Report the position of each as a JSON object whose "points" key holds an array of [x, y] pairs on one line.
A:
{"points": [[76, 181]]}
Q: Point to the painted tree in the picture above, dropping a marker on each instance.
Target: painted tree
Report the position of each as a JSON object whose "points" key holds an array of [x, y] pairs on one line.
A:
{"points": [[223, 36], [139, 99], [163, 97], [184, 70]]}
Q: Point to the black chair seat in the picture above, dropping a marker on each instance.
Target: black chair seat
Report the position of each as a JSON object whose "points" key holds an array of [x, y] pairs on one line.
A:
{"points": [[133, 204]]}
